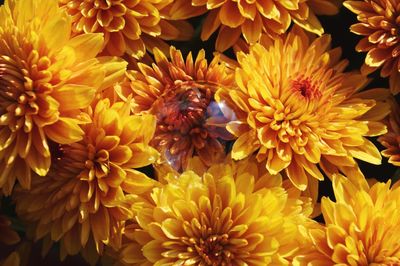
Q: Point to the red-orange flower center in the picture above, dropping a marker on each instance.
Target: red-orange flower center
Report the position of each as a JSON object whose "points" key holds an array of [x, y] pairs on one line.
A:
{"points": [[306, 88], [212, 250], [183, 122], [183, 110]]}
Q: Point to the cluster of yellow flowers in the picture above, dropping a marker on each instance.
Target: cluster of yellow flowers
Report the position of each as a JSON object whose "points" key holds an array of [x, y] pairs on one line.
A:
{"points": [[115, 146]]}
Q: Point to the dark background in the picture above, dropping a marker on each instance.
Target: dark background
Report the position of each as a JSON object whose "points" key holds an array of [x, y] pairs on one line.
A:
{"points": [[337, 26]]}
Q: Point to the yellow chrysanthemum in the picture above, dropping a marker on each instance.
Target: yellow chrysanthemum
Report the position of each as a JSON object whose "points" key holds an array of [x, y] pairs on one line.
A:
{"points": [[362, 227], [219, 218], [379, 23], [247, 166], [181, 95], [46, 77], [252, 18], [391, 140], [298, 110], [128, 26], [87, 192]]}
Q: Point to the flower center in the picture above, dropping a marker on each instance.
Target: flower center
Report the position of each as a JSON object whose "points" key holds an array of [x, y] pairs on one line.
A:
{"points": [[189, 122], [212, 250], [306, 88], [183, 109], [98, 163], [107, 14], [17, 98], [181, 115]]}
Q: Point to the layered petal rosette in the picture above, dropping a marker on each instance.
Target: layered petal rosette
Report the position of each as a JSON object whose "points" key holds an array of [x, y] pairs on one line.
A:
{"points": [[46, 78], [218, 218], [233, 18], [361, 227], [180, 93], [300, 112], [379, 26], [128, 26], [85, 197]]}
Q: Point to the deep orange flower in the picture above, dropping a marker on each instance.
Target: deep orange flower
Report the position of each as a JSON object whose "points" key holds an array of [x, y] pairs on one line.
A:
{"points": [[181, 94], [12, 260], [46, 77], [391, 140], [297, 108], [87, 193], [128, 26], [8, 237], [379, 24], [252, 18]]}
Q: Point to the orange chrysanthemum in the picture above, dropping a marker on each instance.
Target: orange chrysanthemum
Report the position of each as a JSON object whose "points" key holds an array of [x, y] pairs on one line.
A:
{"points": [[8, 237], [46, 77], [362, 227], [86, 194], [391, 140], [379, 23], [297, 109], [181, 94], [252, 18], [128, 26], [12, 260], [218, 218]]}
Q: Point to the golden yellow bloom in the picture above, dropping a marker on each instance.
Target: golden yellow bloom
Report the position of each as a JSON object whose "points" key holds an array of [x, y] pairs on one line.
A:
{"points": [[88, 190], [391, 140], [252, 18], [46, 77], [181, 94], [219, 218], [379, 24], [297, 109], [128, 26], [362, 227]]}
